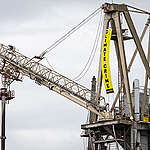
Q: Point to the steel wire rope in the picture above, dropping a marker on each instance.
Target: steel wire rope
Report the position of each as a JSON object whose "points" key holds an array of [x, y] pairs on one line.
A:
{"points": [[70, 32], [92, 54], [49, 63]]}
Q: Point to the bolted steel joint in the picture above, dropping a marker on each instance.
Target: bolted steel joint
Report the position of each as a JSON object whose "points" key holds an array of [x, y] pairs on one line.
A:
{"points": [[109, 8], [3, 137], [7, 94]]}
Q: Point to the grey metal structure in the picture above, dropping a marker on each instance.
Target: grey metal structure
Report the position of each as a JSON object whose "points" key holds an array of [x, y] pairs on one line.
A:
{"points": [[121, 126], [13, 65], [122, 132], [16, 62], [127, 130]]}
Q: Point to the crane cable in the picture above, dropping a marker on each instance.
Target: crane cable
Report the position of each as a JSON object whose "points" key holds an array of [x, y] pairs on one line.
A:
{"points": [[49, 63], [93, 52], [41, 56]]}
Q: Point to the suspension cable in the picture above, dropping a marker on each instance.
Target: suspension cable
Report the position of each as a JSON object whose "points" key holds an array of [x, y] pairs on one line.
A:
{"points": [[70, 33], [92, 54], [49, 63]]}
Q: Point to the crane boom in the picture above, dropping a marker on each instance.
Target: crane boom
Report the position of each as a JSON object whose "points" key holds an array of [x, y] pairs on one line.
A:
{"points": [[49, 78]]}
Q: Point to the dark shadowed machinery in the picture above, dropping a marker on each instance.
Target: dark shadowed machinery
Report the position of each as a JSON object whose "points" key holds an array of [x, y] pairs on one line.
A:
{"points": [[121, 132], [123, 125]]}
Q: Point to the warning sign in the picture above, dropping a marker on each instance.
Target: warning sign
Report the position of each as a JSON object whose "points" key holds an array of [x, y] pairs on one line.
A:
{"points": [[105, 63], [145, 117]]}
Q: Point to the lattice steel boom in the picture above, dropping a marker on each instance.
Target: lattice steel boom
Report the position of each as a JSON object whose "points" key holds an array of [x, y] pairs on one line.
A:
{"points": [[14, 61]]}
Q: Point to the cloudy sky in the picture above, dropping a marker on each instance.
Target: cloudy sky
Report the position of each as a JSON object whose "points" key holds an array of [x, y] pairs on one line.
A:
{"points": [[38, 118]]}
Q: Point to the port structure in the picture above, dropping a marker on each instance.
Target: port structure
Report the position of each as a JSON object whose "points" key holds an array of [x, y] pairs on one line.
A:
{"points": [[121, 133], [127, 125], [130, 127]]}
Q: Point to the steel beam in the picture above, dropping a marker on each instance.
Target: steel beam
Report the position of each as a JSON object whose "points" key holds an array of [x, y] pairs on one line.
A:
{"points": [[141, 39], [116, 17], [131, 62], [146, 78], [137, 42], [49, 78]]}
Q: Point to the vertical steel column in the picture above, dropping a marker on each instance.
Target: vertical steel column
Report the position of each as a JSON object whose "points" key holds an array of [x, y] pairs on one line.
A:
{"points": [[116, 17], [136, 99], [145, 106], [131, 62], [3, 103], [135, 134], [93, 116], [120, 74]]}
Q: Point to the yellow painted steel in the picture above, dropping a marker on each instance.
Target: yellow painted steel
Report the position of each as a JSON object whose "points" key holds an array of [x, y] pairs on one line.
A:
{"points": [[105, 63]]}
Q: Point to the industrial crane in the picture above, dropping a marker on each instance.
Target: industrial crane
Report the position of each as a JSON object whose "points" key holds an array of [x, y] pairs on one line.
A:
{"points": [[14, 65], [18, 63]]}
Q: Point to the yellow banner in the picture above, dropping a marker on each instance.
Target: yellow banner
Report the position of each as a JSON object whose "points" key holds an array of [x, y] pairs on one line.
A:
{"points": [[105, 63], [145, 117]]}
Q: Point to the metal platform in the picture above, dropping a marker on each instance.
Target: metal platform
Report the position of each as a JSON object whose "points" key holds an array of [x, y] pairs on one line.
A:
{"points": [[105, 123]]}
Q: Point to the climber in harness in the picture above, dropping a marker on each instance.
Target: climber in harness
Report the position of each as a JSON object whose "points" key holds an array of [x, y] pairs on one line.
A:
{"points": [[11, 48]]}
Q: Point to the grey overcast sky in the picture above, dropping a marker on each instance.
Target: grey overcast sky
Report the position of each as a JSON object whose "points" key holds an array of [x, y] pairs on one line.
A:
{"points": [[38, 118]]}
